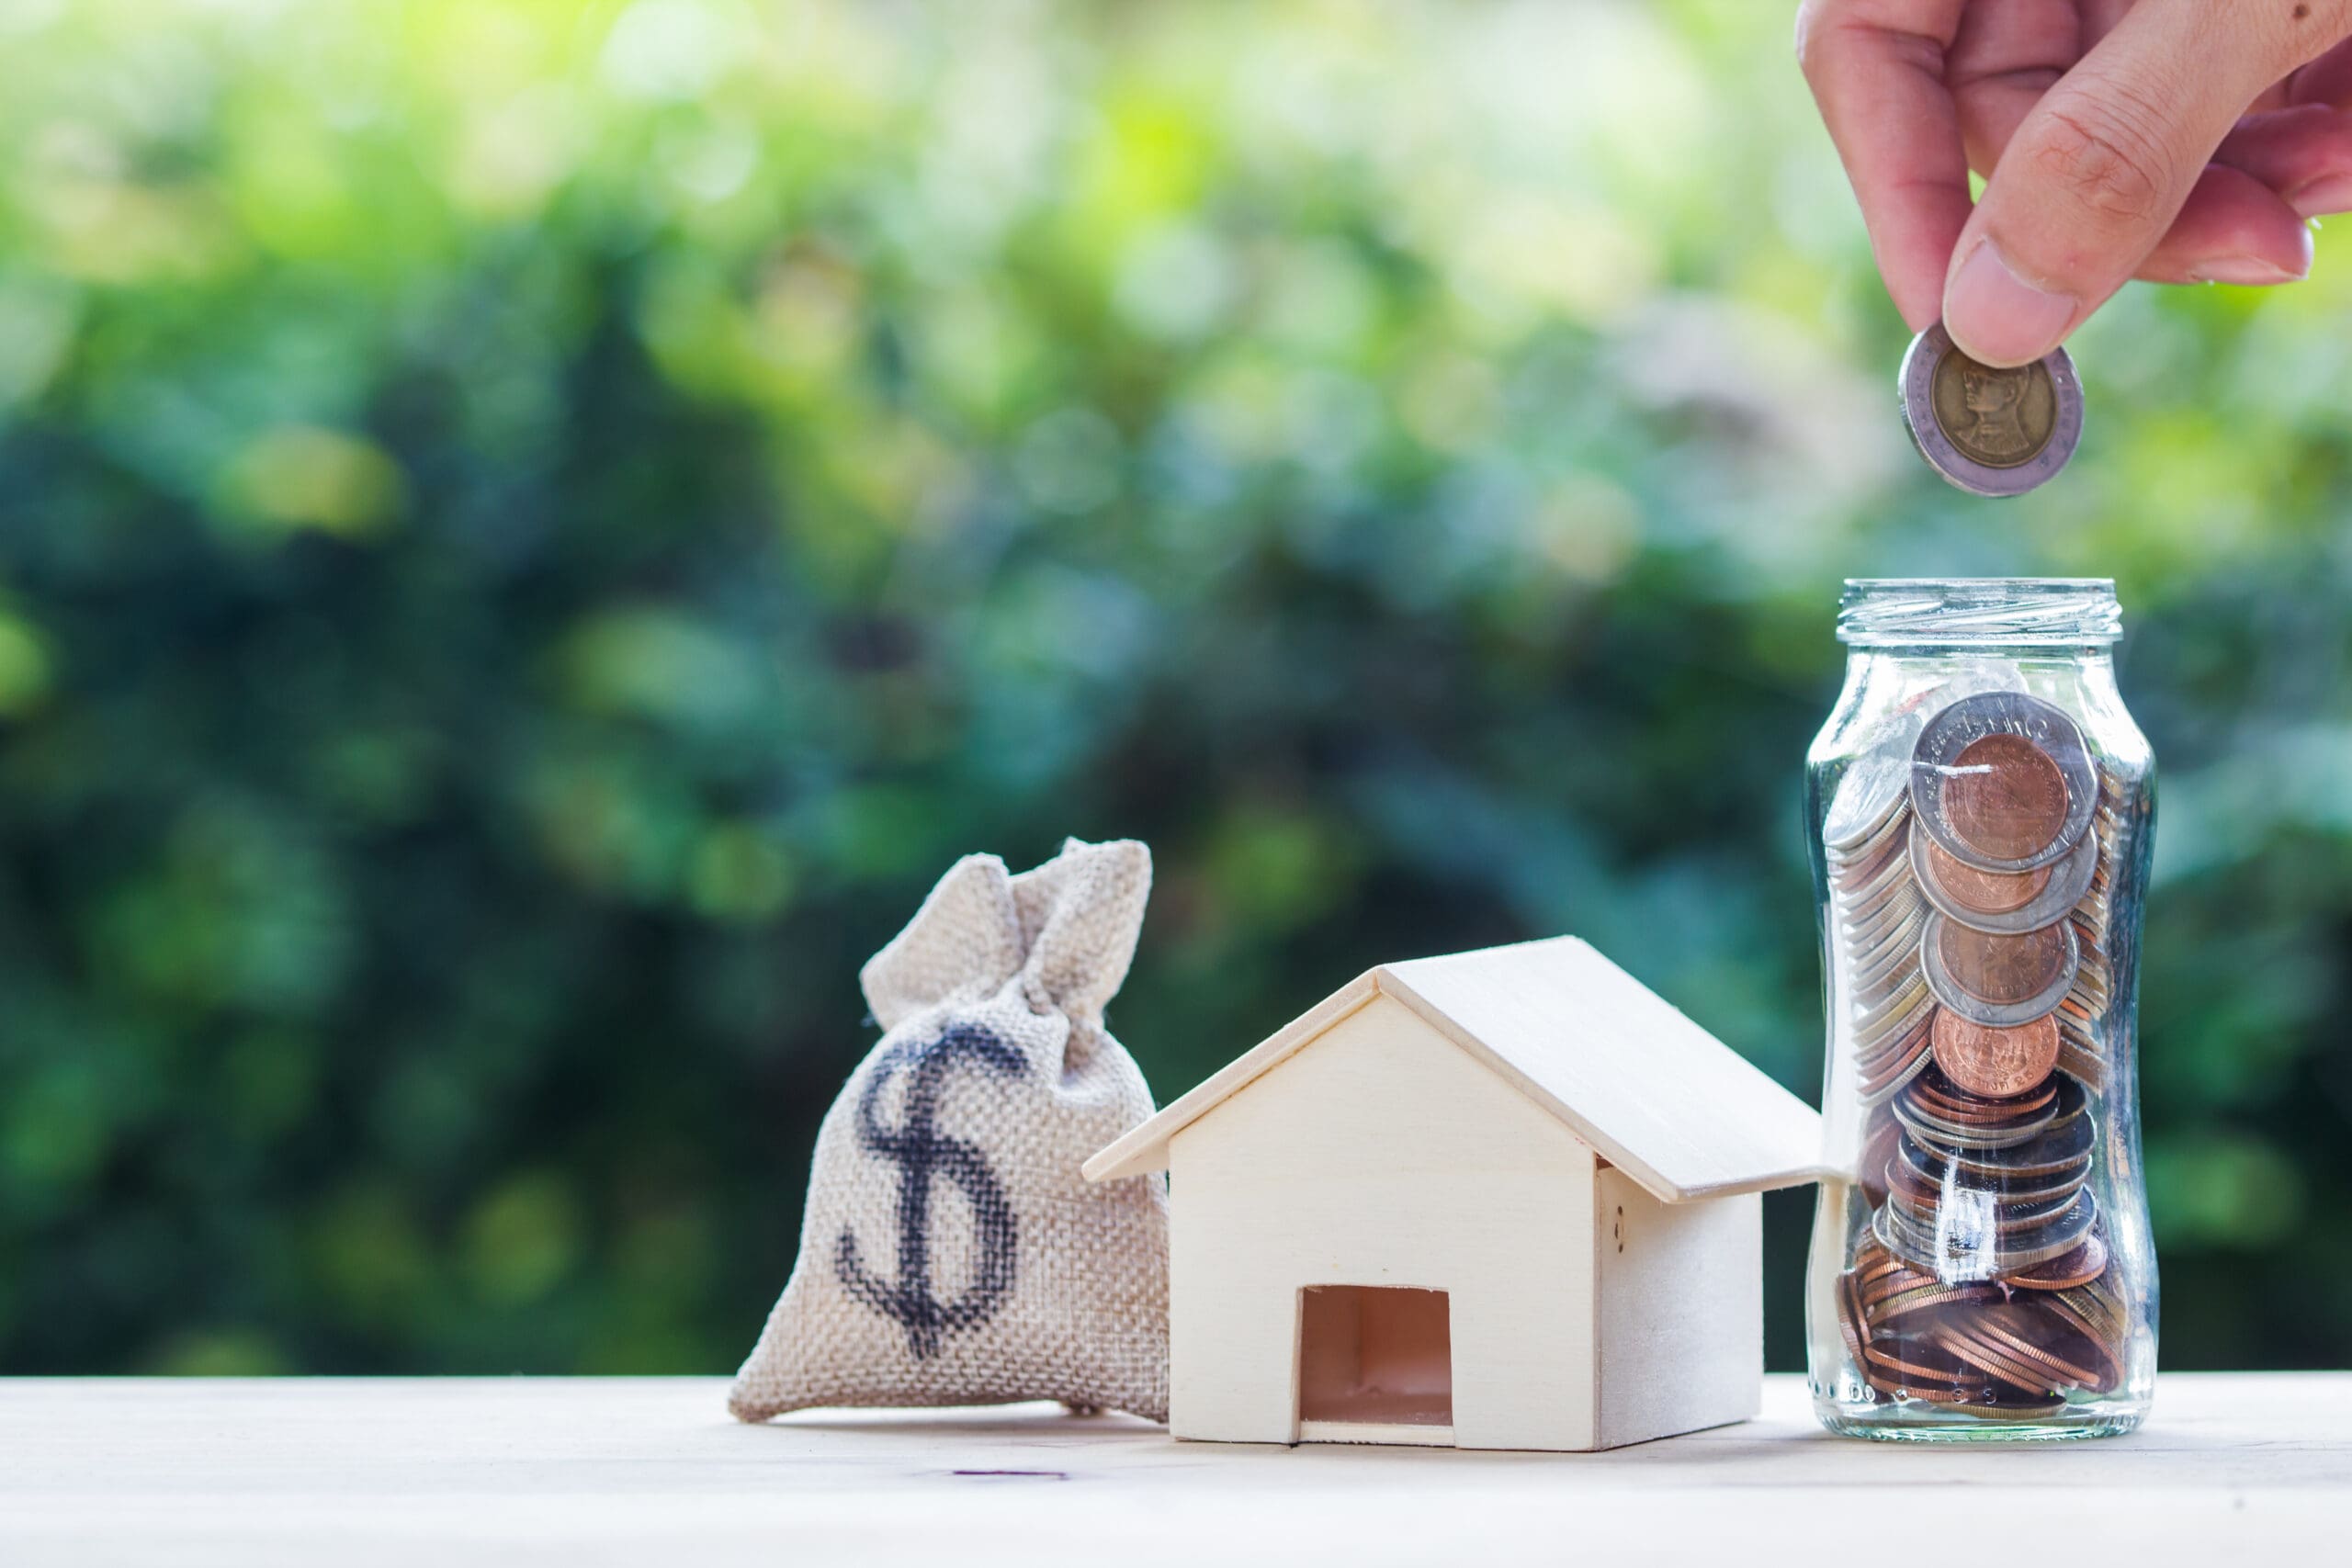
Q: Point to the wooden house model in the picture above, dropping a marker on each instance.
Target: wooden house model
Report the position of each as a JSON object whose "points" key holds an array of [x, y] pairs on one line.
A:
{"points": [[1500, 1199]]}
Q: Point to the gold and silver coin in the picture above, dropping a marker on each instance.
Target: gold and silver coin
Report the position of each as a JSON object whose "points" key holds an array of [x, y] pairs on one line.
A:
{"points": [[2003, 782], [1990, 431], [1996, 980], [1997, 901]]}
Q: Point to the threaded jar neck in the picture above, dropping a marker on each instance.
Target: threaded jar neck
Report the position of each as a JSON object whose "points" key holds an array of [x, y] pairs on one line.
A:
{"points": [[2006, 612]]}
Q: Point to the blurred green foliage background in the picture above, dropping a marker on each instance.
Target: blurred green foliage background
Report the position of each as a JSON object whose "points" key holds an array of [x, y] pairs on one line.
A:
{"points": [[530, 533]]}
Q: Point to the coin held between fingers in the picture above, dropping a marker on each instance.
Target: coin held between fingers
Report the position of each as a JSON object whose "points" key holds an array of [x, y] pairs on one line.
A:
{"points": [[1990, 431]]}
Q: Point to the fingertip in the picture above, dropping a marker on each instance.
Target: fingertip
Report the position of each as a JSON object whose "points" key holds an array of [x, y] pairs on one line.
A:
{"points": [[1996, 317], [2321, 198], [1921, 313], [1914, 251], [2246, 272]]}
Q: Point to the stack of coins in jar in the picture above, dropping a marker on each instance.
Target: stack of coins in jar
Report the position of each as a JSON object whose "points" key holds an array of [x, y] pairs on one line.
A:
{"points": [[1968, 913]]}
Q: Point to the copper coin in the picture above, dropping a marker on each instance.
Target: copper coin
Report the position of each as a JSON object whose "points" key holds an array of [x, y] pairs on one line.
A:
{"points": [[2006, 797], [1997, 1063], [1931, 1296], [1884, 1083], [1900, 1356], [1940, 1113], [2077, 1268], [1956, 1337], [2099, 1332], [2014, 1336], [2002, 970], [1987, 892], [1873, 1262], [1939, 1097], [1936, 1095]]}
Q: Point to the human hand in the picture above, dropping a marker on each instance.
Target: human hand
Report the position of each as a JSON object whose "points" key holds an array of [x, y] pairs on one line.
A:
{"points": [[2177, 141]]}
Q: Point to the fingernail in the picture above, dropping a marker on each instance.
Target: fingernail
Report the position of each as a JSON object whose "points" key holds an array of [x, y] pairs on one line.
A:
{"points": [[2250, 271], [2319, 197], [1997, 317]]}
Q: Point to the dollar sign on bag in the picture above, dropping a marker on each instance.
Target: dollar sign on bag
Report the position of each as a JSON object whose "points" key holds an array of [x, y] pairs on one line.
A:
{"points": [[921, 1155]]}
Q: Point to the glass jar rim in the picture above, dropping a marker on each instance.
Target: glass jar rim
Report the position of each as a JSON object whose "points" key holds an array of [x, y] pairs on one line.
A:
{"points": [[2006, 612]]}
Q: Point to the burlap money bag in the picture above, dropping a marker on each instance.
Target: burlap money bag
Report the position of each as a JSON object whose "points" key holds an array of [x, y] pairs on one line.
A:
{"points": [[951, 1254]]}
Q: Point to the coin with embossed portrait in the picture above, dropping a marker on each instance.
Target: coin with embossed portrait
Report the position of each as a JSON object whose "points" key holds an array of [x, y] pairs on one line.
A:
{"points": [[1998, 418], [1990, 430]]}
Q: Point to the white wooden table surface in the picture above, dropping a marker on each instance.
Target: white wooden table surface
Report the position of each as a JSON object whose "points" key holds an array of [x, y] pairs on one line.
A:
{"points": [[462, 1471]]}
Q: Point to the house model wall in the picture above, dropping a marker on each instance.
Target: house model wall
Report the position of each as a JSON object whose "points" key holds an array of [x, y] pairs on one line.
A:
{"points": [[1504, 1199]]}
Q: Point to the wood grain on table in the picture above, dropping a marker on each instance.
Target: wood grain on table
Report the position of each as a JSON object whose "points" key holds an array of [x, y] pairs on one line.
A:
{"points": [[592, 1471]]}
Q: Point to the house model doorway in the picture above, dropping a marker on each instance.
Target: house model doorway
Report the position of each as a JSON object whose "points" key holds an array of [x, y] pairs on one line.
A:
{"points": [[1375, 1365]]}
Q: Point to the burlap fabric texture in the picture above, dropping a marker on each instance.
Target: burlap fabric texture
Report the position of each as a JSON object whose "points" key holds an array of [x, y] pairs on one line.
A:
{"points": [[950, 1253]]}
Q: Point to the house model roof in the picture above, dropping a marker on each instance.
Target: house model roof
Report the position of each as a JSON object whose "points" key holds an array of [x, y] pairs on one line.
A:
{"points": [[1657, 1096]]}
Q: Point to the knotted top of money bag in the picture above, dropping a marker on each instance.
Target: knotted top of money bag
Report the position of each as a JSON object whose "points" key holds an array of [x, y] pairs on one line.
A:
{"points": [[950, 1253]]}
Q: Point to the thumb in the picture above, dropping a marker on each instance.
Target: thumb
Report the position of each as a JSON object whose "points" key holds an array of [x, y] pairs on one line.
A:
{"points": [[2099, 171]]}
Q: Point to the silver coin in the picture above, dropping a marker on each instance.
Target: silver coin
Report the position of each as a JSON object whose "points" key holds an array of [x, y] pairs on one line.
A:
{"points": [[1892, 972], [2068, 882], [1962, 1245], [1894, 1029], [1992, 433], [2032, 1139], [2025, 1172], [1887, 982], [1936, 756], [1887, 1030], [1892, 1008], [2095, 981], [2047, 1240], [1868, 795], [1870, 923], [1863, 884], [2092, 1001], [2070, 1106], [2014, 1216], [1871, 792], [1890, 989], [1912, 1070], [2080, 1060], [1880, 973], [1936, 1133], [1889, 1016], [1975, 1009]]}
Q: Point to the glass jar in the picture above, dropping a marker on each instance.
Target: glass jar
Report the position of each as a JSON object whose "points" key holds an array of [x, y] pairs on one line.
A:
{"points": [[1979, 808]]}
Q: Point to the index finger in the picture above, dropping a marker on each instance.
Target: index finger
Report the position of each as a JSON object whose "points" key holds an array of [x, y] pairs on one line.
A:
{"points": [[1876, 68]]}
